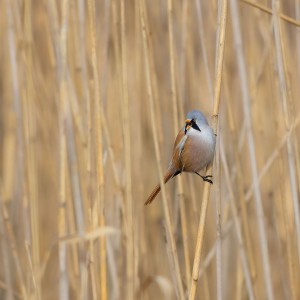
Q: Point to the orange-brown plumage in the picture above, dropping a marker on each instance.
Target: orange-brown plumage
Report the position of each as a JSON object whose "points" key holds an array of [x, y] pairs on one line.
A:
{"points": [[193, 150]]}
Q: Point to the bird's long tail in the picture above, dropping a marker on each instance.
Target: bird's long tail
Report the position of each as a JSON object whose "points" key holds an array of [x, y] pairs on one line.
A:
{"points": [[169, 174]]}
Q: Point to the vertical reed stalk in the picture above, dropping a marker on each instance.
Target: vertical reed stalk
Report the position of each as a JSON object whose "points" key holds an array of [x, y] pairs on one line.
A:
{"points": [[127, 158], [175, 104], [62, 249], [240, 185], [5, 252], [244, 259], [286, 115], [30, 131], [206, 191], [13, 248], [169, 229], [247, 114], [98, 209]]}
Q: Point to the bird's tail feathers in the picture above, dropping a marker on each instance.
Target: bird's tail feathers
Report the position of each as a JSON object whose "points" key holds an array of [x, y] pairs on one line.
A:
{"points": [[169, 174]]}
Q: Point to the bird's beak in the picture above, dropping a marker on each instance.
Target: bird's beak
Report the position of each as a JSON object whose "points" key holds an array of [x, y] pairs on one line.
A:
{"points": [[187, 125]]}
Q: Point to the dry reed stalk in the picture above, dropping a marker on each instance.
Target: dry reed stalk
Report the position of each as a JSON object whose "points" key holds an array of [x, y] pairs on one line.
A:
{"points": [[110, 149], [270, 12], [117, 57], [14, 293], [217, 154], [206, 291], [175, 103], [89, 124], [29, 132], [240, 185], [59, 35], [288, 231], [130, 258], [273, 156], [293, 263], [211, 253], [249, 193], [297, 9], [203, 49], [239, 280], [206, 191], [20, 164], [62, 248], [185, 235], [240, 239], [182, 59], [98, 217], [217, 177], [5, 253], [169, 227], [13, 248], [172, 67], [247, 114], [119, 68], [55, 39], [155, 86], [286, 115], [219, 267]]}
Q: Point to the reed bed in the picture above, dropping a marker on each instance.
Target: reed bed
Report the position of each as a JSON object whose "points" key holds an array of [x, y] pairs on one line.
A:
{"points": [[92, 96]]}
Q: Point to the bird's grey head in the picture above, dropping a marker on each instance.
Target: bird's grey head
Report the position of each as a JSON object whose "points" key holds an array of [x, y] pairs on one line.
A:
{"points": [[195, 120], [197, 116]]}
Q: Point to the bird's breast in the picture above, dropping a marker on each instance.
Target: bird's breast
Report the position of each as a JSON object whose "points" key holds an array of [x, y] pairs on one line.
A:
{"points": [[198, 149]]}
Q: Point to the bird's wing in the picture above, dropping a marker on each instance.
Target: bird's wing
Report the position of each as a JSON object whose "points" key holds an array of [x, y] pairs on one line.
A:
{"points": [[178, 150]]}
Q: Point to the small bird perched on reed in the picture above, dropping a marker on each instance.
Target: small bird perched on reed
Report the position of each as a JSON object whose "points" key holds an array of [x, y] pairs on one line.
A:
{"points": [[193, 150]]}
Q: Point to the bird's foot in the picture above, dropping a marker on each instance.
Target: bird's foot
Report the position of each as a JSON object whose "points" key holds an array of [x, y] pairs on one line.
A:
{"points": [[205, 178]]}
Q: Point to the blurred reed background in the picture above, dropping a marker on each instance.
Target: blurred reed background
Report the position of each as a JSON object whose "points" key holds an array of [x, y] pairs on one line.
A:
{"points": [[82, 85]]}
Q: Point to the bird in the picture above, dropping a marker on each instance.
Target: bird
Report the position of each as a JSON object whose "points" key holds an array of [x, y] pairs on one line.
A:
{"points": [[193, 150]]}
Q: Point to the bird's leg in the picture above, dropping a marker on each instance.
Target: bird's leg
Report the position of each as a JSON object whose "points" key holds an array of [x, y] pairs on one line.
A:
{"points": [[205, 178]]}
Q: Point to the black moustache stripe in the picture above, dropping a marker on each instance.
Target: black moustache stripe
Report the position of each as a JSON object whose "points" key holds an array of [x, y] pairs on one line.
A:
{"points": [[195, 126]]}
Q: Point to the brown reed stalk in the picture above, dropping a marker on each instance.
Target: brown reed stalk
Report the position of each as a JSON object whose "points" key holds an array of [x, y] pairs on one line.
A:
{"points": [[239, 280], [206, 191], [30, 131], [286, 116], [243, 255], [219, 266], [217, 154], [272, 158], [63, 284], [270, 12], [175, 104], [288, 231], [98, 209], [247, 115], [13, 248], [130, 255], [89, 139], [202, 38], [182, 58], [20, 163], [217, 176], [240, 185], [5, 253], [72, 155], [169, 227]]}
